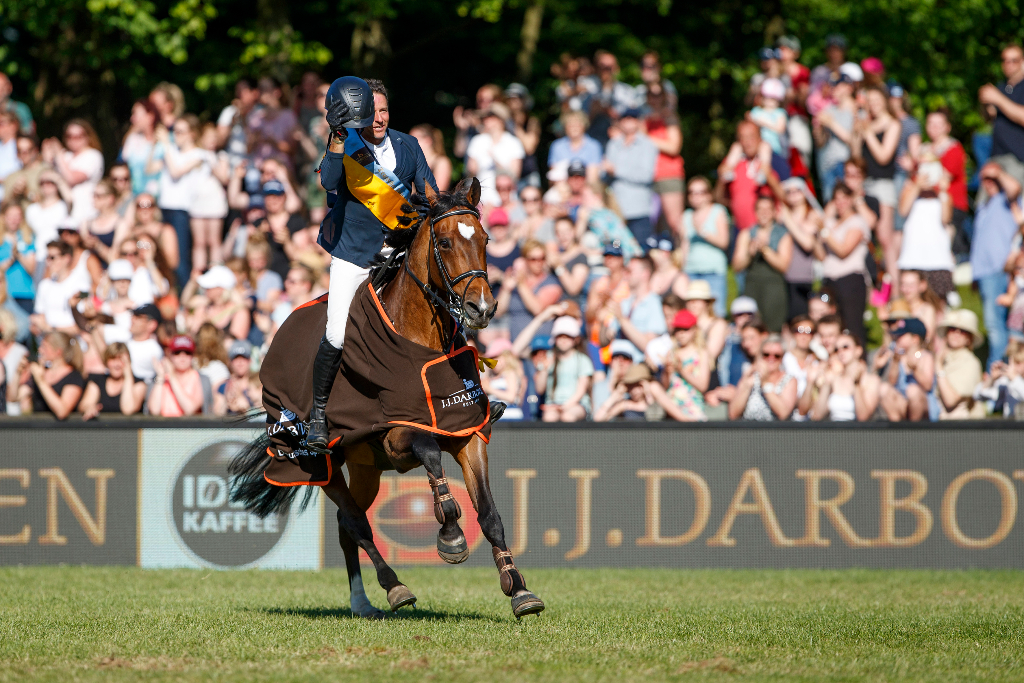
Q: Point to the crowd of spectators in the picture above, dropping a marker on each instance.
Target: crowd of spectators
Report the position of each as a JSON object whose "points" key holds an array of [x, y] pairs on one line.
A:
{"points": [[813, 277]]}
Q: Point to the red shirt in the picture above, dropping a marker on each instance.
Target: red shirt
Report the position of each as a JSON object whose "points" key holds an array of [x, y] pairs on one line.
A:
{"points": [[668, 165], [953, 161], [743, 195]]}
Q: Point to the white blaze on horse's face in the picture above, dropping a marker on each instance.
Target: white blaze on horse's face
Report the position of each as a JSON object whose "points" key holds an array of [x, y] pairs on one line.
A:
{"points": [[467, 231]]}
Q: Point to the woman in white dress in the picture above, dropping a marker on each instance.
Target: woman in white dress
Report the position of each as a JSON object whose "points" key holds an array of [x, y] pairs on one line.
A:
{"points": [[80, 164], [210, 204]]}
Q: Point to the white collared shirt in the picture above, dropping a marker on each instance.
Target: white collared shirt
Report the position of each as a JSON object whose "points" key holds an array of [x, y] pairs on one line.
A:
{"points": [[385, 153]]}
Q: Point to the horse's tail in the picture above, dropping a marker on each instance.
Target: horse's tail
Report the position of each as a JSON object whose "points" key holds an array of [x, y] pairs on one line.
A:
{"points": [[259, 496]]}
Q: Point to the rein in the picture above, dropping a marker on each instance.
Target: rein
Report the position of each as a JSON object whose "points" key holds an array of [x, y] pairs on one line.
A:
{"points": [[455, 306]]}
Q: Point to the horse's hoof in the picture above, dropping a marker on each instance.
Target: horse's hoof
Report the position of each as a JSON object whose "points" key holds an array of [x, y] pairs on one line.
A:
{"points": [[526, 603], [400, 596], [453, 554], [372, 614]]}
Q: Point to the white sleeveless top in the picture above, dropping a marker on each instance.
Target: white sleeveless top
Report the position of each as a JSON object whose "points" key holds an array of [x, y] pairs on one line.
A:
{"points": [[926, 244], [841, 408]]}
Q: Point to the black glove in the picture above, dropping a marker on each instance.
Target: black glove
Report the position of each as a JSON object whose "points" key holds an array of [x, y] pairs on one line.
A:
{"points": [[337, 116], [416, 211]]}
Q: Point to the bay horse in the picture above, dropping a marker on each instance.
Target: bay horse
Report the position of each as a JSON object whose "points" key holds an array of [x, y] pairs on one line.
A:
{"points": [[443, 278]]}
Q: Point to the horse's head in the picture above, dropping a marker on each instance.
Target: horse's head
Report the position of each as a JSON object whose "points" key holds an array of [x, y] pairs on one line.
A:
{"points": [[456, 252]]}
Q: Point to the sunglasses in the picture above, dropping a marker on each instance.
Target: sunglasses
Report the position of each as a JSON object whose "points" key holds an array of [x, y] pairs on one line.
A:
{"points": [[74, 136], [530, 200], [699, 192], [181, 352], [844, 347], [803, 329], [129, 254], [144, 205], [771, 356], [120, 178], [536, 259]]}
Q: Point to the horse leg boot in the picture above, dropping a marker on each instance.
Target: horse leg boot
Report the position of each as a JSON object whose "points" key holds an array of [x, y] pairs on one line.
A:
{"points": [[451, 541], [358, 602], [325, 369]]}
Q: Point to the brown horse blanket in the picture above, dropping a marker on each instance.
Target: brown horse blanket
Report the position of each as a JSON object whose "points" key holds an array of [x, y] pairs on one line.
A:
{"points": [[385, 381]]}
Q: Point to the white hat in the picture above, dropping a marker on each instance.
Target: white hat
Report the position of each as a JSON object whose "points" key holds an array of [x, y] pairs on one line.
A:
{"points": [[624, 347], [773, 88], [743, 304], [120, 269], [218, 276], [853, 70], [566, 325], [962, 319], [801, 184]]}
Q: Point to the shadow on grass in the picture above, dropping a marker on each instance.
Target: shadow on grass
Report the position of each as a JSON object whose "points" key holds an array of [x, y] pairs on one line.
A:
{"points": [[346, 613]]}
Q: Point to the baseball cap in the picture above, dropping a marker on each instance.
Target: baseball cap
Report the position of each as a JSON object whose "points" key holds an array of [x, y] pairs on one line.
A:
{"points": [[120, 269], [766, 53], [218, 276], [273, 187], [895, 89], [256, 202], [908, 326], [631, 113], [181, 342], [497, 216], [853, 71], [743, 304], [149, 311], [69, 224], [624, 347], [836, 79], [522, 92], [684, 320], [498, 347], [835, 40], [662, 243], [566, 325], [540, 343], [239, 347], [613, 248], [872, 65], [577, 168], [792, 42], [773, 88]]}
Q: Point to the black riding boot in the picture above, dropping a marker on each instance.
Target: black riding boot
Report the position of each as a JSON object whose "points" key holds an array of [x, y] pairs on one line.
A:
{"points": [[497, 410], [325, 369]]}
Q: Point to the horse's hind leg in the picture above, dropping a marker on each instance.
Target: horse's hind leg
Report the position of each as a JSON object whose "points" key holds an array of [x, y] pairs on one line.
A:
{"points": [[451, 541], [352, 522], [360, 604]]}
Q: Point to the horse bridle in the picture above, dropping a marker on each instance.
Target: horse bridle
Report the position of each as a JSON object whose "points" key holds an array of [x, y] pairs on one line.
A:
{"points": [[456, 302]]}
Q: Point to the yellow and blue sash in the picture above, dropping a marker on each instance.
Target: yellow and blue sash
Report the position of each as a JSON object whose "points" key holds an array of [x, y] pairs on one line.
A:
{"points": [[376, 188]]}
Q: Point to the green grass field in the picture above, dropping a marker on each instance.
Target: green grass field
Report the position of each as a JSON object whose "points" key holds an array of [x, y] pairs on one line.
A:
{"points": [[86, 624]]}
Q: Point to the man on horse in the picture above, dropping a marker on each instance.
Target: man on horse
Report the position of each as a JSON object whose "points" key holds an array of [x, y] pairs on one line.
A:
{"points": [[369, 176]]}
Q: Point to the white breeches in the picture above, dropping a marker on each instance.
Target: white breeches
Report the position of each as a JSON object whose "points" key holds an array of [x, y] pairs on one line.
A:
{"points": [[345, 281]]}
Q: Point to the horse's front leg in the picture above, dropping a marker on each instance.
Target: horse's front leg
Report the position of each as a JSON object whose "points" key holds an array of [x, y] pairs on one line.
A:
{"points": [[472, 456]]}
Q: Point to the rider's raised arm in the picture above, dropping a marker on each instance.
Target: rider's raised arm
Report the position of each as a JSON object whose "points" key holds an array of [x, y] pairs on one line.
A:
{"points": [[332, 169]]}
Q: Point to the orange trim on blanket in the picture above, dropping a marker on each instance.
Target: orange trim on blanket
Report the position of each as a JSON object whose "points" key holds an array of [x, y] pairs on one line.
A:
{"points": [[380, 308], [469, 431], [322, 299], [300, 483]]}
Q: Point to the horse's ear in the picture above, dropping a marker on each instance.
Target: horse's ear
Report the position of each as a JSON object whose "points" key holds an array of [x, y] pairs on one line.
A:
{"points": [[470, 188], [429, 193]]}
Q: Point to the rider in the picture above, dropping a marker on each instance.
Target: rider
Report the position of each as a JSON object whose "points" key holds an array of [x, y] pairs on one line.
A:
{"points": [[368, 177]]}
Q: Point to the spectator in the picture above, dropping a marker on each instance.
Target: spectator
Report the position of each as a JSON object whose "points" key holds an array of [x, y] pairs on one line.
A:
{"points": [[506, 382], [908, 151], [630, 161], [267, 284], [148, 281], [868, 208], [706, 226], [117, 391], [23, 186], [802, 217], [502, 247], [829, 329], [182, 160], [143, 348], [534, 218], [994, 228], [242, 391], [768, 61], [842, 251], [115, 311], [120, 178], [9, 161], [49, 212], [699, 300], [835, 56], [927, 241], [1005, 104], [308, 104], [169, 101], [875, 140], [629, 400], [18, 257], [54, 384], [623, 356], [468, 122], [733, 357], [606, 102], [212, 356], [576, 145], [639, 318], [958, 369], [232, 129], [210, 203], [833, 133], [662, 127], [492, 151], [271, 127], [52, 312], [147, 225], [770, 117], [1013, 300], [797, 79], [298, 289], [924, 304], [597, 217], [820, 304], [279, 227], [140, 148], [567, 398], [687, 372], [526, 128], [528, 289], [667, 276], [20, 109], [432, 143], [80, 165], [84, 264], [178, 389], [651, 76], [505, 186], [313, 134], [799, 359], [1004, 384], [766, 393], [743, 171], [942, 146], [227, 310], [908, 391], [764, 253], [98, 232], [11, 355], [846, 390], [567, 260]]}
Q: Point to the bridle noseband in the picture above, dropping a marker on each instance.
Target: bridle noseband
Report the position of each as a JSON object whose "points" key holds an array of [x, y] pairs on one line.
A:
{"points": [[456, 302]]}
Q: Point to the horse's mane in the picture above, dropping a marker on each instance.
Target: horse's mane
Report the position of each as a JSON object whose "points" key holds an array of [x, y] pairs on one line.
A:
{"points": [[401, 239]]}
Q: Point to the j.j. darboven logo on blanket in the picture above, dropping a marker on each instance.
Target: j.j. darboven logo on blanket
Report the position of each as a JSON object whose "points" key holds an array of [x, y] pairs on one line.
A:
{"points": [[215, 529], [466, 397]]}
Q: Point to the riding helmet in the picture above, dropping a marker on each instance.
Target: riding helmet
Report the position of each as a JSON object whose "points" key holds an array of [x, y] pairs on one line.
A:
{"points": [[357, 95]]}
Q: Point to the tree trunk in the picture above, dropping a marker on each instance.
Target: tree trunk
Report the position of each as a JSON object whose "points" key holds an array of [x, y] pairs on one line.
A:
{"points": [[371, 51], [529, 35]]}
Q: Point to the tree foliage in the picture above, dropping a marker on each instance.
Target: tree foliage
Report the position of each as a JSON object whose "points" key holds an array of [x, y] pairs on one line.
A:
{"points": [[94, 57]]}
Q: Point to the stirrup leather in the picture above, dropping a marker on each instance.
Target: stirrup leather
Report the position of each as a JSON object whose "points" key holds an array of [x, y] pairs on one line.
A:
{"points": [[439, 498]]}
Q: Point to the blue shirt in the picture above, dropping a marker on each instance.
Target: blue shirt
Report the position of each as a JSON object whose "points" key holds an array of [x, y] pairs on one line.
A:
{"points": [[19, 282], [561, 151], [646, 314], [994, 227]]}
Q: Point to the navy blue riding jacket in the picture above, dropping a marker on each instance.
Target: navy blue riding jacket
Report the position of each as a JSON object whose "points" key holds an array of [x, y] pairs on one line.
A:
{"points": [[350, 231]]}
